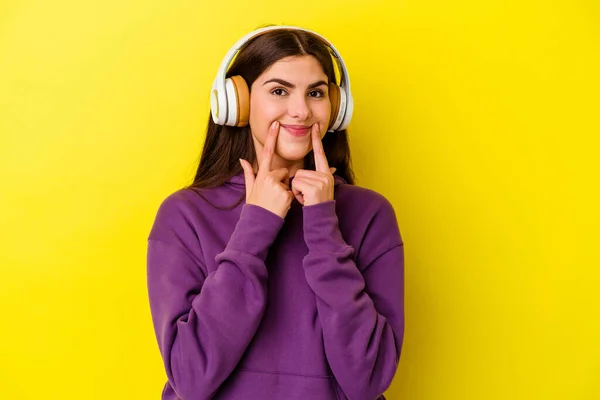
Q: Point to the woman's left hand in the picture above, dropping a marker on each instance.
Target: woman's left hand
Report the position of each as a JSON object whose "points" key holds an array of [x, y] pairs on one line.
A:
{"points": [[314, 187]]}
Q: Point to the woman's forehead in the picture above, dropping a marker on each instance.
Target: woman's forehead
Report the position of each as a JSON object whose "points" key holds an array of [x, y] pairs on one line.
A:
{"points": [[295, 69]]}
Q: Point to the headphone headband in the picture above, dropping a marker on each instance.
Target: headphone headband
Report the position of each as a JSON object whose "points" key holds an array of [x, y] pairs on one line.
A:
{"points": [[219, 82]]}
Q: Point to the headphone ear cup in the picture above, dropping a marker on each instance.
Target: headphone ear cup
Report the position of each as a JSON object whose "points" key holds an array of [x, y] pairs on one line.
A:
{"points": [[334, 99], [231, 105], [243, 100], [348, 102], [218, 107]]}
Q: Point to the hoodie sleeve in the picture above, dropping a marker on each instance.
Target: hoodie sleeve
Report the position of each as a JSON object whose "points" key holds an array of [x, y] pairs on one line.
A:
{"points": [[361, 308], [203, 323]]}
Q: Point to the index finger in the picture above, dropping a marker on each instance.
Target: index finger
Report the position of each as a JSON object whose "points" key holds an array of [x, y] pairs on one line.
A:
{"points": [[321, 164], [269, 148]]}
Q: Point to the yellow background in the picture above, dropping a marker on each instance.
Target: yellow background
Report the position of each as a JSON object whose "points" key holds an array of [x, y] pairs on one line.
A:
{"points": [[478, 120]]}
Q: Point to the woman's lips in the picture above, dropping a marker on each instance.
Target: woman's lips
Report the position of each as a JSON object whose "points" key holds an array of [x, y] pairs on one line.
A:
{"points": [[297, 130]]}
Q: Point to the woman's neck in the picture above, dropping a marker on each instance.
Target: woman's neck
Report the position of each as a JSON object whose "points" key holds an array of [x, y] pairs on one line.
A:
{"points": [[279, 162]]}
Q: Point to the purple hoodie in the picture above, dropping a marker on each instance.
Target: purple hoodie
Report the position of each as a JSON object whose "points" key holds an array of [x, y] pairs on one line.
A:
{"points": [[248, 305]]}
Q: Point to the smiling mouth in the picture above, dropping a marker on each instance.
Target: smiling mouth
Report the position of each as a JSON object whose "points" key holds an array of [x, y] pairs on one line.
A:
{"points": [[297, 130]]}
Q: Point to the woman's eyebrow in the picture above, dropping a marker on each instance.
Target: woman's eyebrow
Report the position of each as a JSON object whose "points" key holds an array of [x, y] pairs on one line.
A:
{"points": [[292, 86]]}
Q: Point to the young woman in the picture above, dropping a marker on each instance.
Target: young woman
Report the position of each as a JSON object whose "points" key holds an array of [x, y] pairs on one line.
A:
{"points": [[273, 276]]}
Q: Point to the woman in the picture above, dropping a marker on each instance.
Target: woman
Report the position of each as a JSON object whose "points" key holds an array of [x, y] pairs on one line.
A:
{"points": [[272, 276]]}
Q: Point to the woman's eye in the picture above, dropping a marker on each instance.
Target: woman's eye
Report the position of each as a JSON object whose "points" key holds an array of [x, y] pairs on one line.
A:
{"points": [[278, 92], [317, 93]]}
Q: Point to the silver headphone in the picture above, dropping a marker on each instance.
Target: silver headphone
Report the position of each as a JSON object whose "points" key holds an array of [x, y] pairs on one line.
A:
{"points": [[230, 97]]}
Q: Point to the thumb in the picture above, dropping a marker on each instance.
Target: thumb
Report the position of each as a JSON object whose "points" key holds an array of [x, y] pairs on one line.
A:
{"points": [[332, 170], [248, 176]]}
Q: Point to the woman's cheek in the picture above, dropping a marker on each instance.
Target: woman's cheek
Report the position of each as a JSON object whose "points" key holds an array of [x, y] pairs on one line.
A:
{"points": [[270, 106], [324, 119]]}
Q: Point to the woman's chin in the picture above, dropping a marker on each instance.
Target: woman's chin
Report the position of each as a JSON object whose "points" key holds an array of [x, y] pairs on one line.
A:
{"points": [[293, 153]]}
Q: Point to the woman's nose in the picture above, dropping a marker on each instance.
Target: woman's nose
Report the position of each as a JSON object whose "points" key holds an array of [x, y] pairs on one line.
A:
{"points": [[298, 107]]}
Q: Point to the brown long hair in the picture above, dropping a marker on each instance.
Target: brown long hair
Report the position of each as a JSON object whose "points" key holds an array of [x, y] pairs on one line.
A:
{"points": [[224, 145]]}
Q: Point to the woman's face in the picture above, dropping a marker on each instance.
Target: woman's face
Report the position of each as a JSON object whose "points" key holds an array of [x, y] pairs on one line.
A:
{"points": [[294, 92]]}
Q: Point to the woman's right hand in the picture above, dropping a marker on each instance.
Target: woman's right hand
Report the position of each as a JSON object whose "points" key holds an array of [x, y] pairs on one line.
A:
{"points": [[267, 189]]}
